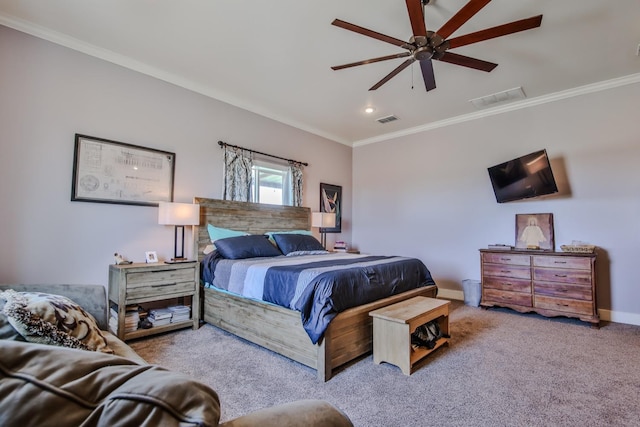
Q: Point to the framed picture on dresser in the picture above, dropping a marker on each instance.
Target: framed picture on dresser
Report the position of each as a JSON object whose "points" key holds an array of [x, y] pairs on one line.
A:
{"points": [[535, 231]]}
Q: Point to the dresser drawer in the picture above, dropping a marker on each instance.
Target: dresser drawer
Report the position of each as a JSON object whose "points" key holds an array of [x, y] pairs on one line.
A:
{"points": [[506, 297], [576, 277], [497, 270], [563, 290], [562, 262], [509, 259], [507, 284], [564, 305]]}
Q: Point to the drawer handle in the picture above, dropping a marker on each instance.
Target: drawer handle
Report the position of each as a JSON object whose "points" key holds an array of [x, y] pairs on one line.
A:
{"points": [[507, 284], [560, 262], [561, 275], [505, 271], [505, 259], [163, 285], [164, 271]]}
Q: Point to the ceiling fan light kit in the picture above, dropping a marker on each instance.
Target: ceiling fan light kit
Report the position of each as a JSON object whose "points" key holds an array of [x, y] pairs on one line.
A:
{"points": [[426, 46]]}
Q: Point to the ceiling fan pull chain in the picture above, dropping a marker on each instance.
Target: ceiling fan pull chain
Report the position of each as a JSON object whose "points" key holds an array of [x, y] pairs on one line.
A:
{"points": [[413, 70]]}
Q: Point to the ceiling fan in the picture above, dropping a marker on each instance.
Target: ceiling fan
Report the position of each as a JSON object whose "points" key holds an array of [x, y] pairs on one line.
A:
{"points": [[425, 46]]}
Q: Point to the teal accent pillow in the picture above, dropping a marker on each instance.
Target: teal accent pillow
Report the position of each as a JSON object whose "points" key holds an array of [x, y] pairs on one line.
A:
{"points": [[217, 233], [271, 233]]}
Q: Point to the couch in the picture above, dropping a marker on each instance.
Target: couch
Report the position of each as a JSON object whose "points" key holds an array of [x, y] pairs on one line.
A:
{"points": [[44, 384]]}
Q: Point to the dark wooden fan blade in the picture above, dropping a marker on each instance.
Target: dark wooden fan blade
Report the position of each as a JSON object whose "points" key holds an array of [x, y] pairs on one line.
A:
{"points": [[462, 16], [371, 61], [427, 74], [465, 61], [392, 74], [367, 32], [416, 16], [493, 32]]}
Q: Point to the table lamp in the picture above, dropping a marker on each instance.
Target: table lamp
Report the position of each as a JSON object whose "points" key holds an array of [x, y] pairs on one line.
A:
{"points": [[323, 220], [178, 215]]}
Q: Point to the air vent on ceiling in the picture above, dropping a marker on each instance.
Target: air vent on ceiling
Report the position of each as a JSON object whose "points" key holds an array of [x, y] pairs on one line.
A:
{"points": [[499, 98], [387, 119]]}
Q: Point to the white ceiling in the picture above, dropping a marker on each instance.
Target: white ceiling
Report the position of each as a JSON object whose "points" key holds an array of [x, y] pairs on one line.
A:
{"points": [[274, 57]]}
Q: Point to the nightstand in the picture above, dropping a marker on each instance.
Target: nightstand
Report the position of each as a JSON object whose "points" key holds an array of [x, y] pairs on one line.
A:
{"points": [[155, 285]]}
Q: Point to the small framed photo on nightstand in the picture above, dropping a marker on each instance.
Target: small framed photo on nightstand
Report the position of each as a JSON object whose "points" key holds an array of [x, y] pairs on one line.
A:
{"points": [[151, 257]]}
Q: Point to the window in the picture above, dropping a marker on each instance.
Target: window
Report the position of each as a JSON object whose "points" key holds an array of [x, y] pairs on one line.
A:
{"points": [[271, 183]]}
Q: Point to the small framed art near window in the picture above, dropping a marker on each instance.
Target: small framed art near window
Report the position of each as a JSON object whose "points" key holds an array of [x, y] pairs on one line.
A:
{"points": [[331, 201], [107, 171], [535, 231]]}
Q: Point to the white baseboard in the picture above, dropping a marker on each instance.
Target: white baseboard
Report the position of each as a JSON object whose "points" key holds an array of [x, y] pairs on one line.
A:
{"points": [[451, 294], [606, 315], [619, 317]]}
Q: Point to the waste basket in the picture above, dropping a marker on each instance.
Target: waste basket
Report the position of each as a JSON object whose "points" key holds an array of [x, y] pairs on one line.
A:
{"points": [[472, 292]]}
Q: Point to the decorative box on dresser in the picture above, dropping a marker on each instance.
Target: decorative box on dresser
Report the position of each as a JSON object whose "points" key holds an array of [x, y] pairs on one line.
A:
{"points": [[153, 284], [548, 283]]}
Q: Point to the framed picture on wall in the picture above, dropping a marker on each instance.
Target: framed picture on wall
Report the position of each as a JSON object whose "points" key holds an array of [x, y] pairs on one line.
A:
{"points": [[331, 201], [534, 231], [106, 171]]}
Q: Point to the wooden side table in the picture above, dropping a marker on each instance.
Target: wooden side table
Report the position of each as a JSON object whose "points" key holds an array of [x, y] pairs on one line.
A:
{"points": [[394, 324], [141, 283]]}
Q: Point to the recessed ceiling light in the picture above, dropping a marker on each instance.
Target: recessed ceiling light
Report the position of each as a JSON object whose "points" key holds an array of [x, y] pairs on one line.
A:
{"points": [[369, 110]]}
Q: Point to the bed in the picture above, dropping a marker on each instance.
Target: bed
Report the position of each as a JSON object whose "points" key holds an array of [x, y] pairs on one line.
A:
{"points": [[280, 329]]}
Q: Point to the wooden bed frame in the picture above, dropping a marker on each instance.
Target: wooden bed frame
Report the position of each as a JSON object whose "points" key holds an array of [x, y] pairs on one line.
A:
{"points": [[279, 329]]}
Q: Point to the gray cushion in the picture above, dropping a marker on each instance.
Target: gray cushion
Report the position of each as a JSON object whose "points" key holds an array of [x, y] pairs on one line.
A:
{"points": [[42, 383]]}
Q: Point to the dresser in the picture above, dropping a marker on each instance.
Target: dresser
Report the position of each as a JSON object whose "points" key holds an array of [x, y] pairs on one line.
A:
{"points": [[548, 283], [152, 285]]}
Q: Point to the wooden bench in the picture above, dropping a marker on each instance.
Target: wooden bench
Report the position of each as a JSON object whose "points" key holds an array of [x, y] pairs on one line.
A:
{"points": [[394, 324]]}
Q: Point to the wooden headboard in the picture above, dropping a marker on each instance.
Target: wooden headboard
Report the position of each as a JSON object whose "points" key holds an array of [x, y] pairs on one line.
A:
{"points": [[254, 218]]}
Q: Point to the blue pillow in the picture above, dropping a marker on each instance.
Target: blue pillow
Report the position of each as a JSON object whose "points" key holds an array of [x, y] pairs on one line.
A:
{"points": [[297, 243], [271, 233], [241, 247], [217, 233]]}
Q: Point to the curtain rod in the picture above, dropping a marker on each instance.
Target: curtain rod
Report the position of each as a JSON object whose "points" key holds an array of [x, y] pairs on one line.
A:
{"points": [[224, 144]]}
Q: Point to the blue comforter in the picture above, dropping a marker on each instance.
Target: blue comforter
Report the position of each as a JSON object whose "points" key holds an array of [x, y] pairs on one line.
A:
{"points": [[319, 286]]}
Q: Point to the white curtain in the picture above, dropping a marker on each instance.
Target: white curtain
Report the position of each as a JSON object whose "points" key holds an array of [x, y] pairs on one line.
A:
{"points": [[295, 171], [237, 174]]}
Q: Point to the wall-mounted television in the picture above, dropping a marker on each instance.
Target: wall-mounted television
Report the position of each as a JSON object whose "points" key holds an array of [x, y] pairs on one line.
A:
{"points": [[522, 178]]}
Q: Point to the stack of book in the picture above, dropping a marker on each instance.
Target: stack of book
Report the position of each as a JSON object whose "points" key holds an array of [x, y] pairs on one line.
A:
{"points": [[500, 247], [340, 246], [179, 313], [160, 316], [131, 318]]}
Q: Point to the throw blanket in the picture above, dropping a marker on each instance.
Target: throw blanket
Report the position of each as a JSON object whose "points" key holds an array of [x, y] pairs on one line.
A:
{"points": [[319, 286]]}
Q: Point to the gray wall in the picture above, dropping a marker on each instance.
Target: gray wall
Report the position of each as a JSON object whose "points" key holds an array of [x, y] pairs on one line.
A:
{"points": [[48, 93], [429, 195]]}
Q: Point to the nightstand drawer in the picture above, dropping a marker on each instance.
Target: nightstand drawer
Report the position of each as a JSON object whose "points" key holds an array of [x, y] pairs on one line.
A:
{"points": [[159, 277], [157, 290]]}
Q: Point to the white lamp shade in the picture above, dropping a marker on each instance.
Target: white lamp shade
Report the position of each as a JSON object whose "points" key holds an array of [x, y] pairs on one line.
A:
{"points": [[178, 213], [323, 219]]}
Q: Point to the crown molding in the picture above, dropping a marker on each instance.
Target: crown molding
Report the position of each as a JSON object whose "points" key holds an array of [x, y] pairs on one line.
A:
{"points": [[544, 99]]}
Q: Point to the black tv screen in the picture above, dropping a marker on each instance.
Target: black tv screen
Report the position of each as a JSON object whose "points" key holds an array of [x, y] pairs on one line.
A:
{"points": [[522, 178]]}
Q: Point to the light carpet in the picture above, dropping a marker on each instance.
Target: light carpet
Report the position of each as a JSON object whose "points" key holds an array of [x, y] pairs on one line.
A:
{"points": [[501, 368]]}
